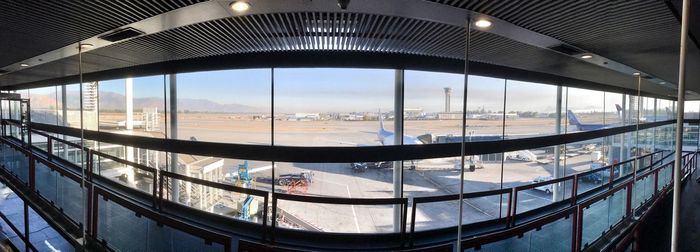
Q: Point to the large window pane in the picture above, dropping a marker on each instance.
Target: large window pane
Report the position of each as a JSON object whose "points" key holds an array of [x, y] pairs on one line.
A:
{"points": [[72, 108], [148, 106], [112, 105], [333, 107], [585, 110], [433, 106], [530, 109], [231, 106], [43, 103], [485, 114], [613, 109]]}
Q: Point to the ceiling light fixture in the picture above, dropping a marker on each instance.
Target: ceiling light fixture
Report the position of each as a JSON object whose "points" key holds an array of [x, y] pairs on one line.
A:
{"points": [[84, 46], [635, 73], [482, 23], [24, 65], [586, 56], [240, 6]]}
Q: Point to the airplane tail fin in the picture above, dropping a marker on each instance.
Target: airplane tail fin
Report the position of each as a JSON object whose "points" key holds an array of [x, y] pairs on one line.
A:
{"points": [[572, 118], [381, 121], [382, 131], [619, 109]]}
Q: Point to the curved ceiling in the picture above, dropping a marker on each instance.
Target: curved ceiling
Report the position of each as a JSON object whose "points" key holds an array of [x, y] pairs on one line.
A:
{"points": [[640, 34]]}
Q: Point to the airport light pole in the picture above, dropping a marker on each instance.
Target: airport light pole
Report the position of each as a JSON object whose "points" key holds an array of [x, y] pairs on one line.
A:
{"points": [[679, 129]]}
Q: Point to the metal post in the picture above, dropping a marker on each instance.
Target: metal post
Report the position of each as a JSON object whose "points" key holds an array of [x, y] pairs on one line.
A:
{"points": [[636, 132], [623, 148], [464, 137], [398, 140], [556, 194], [653, 138], [675, 226], [82, 144], [174, 185], [64, 107]]}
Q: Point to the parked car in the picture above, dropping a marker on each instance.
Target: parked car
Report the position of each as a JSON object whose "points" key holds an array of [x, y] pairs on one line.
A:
{"points": [[286, 179], [596, 177], [358, 167], [548, 188]]}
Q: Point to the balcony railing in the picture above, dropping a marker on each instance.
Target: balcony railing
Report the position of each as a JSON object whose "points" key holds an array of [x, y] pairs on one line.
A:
{"points": [[52, 169]]}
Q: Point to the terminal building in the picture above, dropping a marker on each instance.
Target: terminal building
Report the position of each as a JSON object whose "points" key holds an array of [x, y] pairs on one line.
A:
{"points": [[349, 125]]}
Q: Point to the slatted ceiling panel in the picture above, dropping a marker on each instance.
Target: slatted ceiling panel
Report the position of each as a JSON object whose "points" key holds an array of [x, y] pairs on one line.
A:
{"points": [[294, 31], [35, 27], [345, 31], [642, 33]]}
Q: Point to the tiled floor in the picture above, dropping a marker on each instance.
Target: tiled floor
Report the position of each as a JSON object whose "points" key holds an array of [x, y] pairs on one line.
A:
{"points": [[41, 235]]}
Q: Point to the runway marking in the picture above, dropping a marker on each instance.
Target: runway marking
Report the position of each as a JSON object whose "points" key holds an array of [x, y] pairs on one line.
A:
{"points": [[477, 208], [51, 247], [543, 198], [354, 214]]}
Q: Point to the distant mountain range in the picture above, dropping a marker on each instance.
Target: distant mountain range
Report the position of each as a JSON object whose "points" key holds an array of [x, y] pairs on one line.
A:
{"points": [[110, 101]]}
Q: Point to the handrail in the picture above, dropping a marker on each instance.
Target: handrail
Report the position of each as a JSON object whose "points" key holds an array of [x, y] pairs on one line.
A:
{"points": [[207, 235], [403, 202], [587, 203], [478, 241], [300, 154], [452, 197]]}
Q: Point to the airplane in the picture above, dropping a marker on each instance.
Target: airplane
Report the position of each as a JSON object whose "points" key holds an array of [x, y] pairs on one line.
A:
{"points": [[387, 137], [573, 120], [584, 126]]}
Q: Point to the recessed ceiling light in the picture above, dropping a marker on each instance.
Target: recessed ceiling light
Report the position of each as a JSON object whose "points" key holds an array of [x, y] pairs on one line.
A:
{"points": [[240, 6], [24, 65], [86, 46], [482, 23], [586, 56], [635, 73]]}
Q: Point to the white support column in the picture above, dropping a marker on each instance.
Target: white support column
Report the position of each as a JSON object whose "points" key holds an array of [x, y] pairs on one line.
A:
{"points": [[129, 94], [398, 140], [175, 185], [129, 100], [679, 130], [557, 194]]}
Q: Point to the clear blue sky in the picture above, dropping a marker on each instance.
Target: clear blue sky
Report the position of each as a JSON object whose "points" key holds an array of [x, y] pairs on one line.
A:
{"points": [[357, 90]]}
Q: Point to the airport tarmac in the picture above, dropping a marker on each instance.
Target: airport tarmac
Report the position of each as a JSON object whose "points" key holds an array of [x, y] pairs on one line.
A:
{"points": [[430, 178]]}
